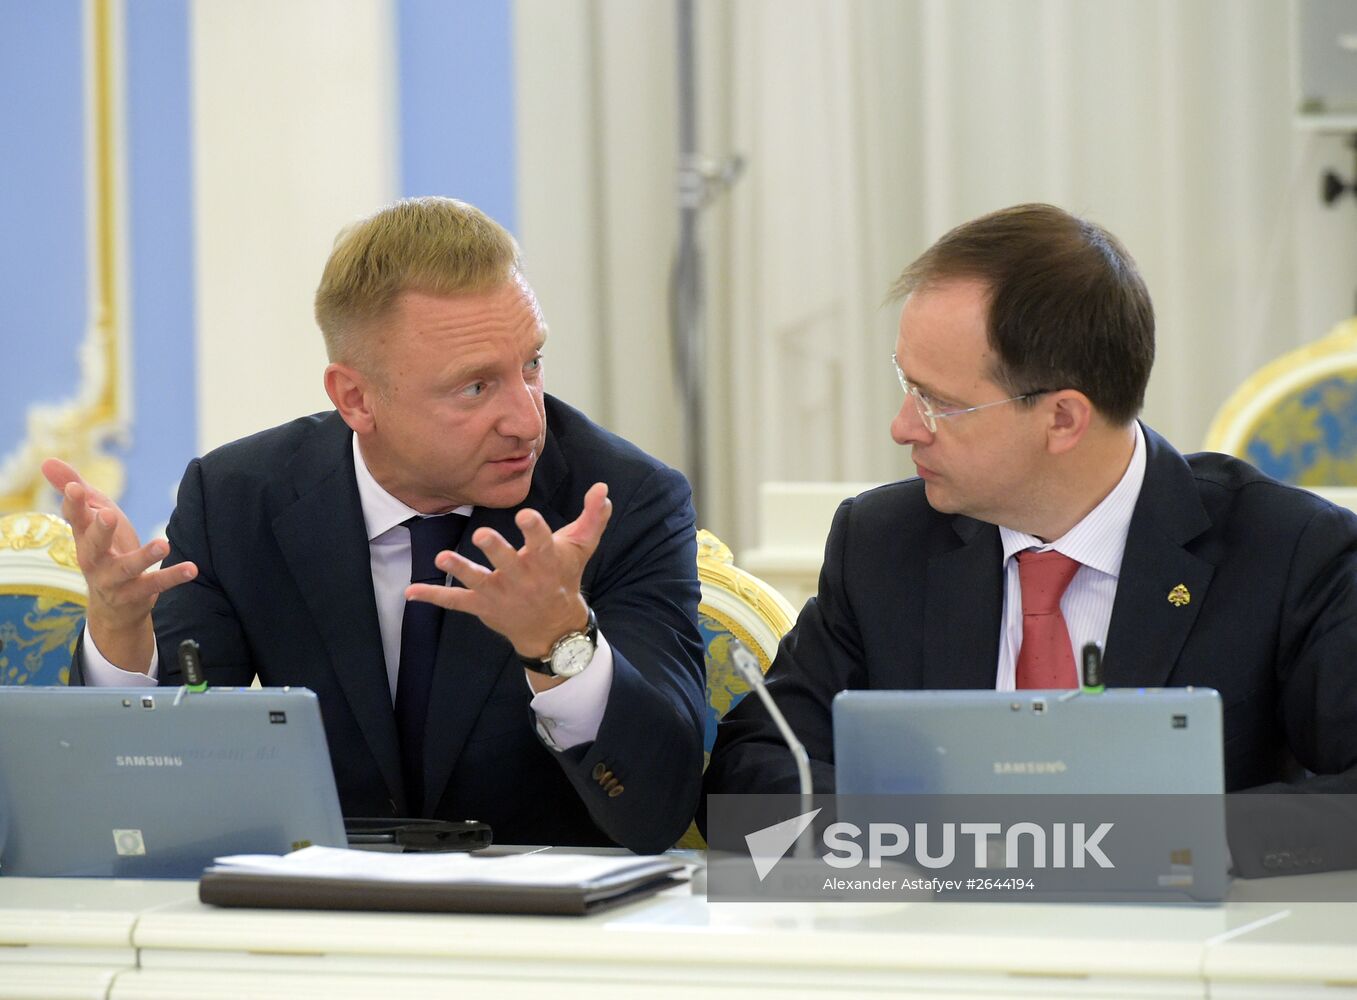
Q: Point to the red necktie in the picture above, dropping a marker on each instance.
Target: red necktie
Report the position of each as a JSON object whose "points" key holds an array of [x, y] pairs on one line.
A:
{"points": [[1046, 658]]}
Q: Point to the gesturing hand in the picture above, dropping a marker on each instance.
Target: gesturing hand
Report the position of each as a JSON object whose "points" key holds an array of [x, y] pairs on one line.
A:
{"points": [[115, 564], [532, 595]]}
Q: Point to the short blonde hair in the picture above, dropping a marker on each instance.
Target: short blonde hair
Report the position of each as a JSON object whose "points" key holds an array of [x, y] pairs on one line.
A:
{"points": [[439, 246]]}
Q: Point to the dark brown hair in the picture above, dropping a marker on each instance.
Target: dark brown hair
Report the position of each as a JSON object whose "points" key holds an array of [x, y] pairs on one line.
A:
{"points": [[1068, 309]]}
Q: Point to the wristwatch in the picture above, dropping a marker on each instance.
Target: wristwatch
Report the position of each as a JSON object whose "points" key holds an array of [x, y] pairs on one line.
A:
{"points": [[569, 654]]}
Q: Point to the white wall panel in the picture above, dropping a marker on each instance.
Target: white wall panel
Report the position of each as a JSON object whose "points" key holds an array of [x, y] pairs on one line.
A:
{"points": [[559, 191], [293, 107]]}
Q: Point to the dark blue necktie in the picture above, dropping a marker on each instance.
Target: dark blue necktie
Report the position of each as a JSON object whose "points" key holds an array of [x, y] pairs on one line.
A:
{"points": [[419, 648]]}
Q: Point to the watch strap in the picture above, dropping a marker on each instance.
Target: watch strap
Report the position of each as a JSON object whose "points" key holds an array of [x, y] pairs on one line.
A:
{"points": [[543, 665]]}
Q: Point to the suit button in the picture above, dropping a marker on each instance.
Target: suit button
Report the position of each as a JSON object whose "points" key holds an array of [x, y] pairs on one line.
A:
{"points": [[600, 769], [614, 791]]}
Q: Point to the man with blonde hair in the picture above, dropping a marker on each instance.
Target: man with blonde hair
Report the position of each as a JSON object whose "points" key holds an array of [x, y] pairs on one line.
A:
{"points": [[431, 559]]}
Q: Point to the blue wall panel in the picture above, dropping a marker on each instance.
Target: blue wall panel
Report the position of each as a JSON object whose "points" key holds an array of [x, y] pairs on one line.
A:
{"points": [[456, 137], [457, 102], [44, 308], [160, 194], [44, 233]]}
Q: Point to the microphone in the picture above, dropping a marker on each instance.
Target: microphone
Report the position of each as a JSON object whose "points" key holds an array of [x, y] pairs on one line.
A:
{"points": [[748, 668]]}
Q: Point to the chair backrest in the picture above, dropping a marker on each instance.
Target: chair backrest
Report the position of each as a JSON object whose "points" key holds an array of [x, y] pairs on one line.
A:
{"points": [[42, 599], [1296, 418], [735, 605]]}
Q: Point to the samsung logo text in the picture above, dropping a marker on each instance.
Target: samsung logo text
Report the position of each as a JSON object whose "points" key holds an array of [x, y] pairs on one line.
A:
{"points": [[1029, 767], [150, 760]]}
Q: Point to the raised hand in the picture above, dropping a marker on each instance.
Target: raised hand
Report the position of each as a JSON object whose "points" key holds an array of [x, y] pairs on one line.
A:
{"points": [[531, 596], [116, 566]]}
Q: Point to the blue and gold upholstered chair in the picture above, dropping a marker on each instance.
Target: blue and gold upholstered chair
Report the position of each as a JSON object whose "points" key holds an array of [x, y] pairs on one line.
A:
{"points": [[735, 605], [1296, 418], [42, 599]]}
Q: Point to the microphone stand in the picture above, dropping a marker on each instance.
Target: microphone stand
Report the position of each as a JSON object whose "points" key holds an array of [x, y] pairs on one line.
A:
{"points": [[748, 669]]}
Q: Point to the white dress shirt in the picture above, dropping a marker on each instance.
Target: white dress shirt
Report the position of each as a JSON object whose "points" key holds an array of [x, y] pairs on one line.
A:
{"points": [[567, 715], [1097, 543]]}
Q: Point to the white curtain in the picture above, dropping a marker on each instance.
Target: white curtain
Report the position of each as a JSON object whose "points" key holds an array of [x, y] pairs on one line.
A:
{"points": [[872, 126]]}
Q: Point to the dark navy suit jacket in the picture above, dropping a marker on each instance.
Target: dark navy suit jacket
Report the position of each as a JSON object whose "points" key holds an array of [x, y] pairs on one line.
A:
{"points": [[912, 598], [284, 591]]}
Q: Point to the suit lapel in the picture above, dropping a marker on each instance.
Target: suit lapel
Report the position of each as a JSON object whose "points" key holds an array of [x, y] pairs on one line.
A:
{"points": [[323, 539], [472, 658], [962, 606], [1161, 585]]}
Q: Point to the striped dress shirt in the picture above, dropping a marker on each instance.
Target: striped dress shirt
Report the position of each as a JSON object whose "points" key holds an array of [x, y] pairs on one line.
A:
{"points": [[1097, 542]]}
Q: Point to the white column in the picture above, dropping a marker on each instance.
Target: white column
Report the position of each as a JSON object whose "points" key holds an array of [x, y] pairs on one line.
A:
{"points": [[295, 135]]}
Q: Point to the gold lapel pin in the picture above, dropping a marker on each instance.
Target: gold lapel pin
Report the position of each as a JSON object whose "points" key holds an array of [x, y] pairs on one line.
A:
{"points": [[1179, 596]]}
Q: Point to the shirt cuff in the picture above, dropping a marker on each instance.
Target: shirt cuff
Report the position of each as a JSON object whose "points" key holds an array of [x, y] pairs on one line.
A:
{"points": [[570, 713], [100, 673]]}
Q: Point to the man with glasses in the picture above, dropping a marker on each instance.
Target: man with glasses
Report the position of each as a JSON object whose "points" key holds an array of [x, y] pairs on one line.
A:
{"points": [[1045, 517]]}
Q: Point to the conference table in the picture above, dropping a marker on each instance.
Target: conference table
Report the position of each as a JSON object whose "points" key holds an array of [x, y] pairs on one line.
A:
{"points": [[136, 940]]}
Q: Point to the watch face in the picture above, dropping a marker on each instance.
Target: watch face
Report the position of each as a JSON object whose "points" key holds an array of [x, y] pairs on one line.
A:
{"points": [[572, 656]]}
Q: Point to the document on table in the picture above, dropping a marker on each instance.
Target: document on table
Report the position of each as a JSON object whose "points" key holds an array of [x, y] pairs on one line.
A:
{"points": [[541, 868], [334, 878]]}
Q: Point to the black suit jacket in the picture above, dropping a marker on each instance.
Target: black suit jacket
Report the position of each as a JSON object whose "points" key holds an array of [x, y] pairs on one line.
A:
{"points": [[912, 598], [284, 591]]}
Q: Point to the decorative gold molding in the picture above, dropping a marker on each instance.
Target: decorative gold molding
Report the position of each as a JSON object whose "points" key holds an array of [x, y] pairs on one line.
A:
{"points": [[28, 531], [716, 567], [77, 430]]}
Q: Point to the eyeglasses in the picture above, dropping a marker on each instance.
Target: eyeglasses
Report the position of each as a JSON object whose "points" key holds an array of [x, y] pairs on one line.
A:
{"points": [[930, 412]]}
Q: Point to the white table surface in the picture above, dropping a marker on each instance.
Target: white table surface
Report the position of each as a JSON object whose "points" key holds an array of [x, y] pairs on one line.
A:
{"points": [[72, 937], [128, 940]]}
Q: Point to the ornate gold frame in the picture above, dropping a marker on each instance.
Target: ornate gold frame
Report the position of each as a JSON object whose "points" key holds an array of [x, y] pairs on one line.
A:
{"points": [[75, 430]]}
